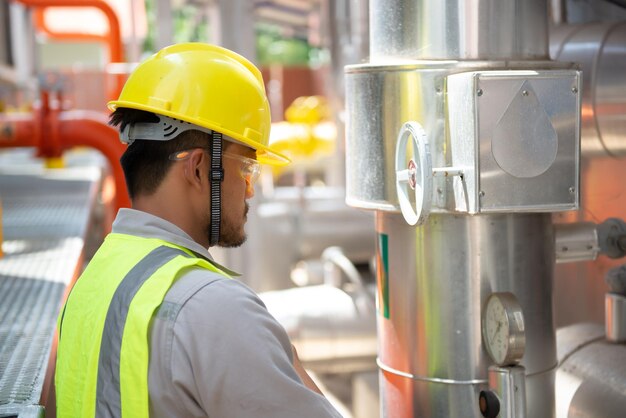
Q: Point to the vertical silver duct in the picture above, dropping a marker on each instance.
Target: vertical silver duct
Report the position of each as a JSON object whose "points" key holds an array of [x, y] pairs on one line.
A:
{"points": [[346, 34], [475, 75], [458, 29], [439, 276]]}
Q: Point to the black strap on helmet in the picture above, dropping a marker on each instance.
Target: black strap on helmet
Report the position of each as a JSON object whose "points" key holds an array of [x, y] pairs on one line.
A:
{"points": [[216, 177]]}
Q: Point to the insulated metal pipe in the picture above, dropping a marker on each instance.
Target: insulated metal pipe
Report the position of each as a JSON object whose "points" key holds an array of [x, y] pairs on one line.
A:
{"points": [[600, 49], [333, 330], [576, 242], [591, 379], [458, 29]]}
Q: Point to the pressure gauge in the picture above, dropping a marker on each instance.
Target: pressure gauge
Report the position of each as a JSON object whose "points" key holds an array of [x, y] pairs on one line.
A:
{"points": [[503, 329]]}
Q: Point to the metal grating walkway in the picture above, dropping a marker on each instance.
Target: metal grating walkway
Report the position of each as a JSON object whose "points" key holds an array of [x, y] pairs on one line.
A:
{"points": [[45, 219]]}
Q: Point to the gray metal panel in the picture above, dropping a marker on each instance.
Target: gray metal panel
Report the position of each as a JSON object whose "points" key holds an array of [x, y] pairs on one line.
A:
{"points": [[516, 136], [31, 412], [528, 133], [45, 218]]}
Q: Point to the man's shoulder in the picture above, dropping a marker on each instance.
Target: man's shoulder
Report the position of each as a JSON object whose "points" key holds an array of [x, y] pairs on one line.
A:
{"points": [[203, 305], [200, 291], [193, 281]]}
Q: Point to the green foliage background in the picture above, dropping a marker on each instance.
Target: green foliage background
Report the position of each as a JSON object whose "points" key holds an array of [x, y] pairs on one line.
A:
{"points": [[272, 46]]}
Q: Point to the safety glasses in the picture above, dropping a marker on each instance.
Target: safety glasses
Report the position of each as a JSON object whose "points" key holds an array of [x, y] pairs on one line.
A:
{"points": [[249, 167]]}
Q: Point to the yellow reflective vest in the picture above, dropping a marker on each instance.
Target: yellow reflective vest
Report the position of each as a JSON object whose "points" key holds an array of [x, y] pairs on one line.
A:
{"points": [[103, 353]]}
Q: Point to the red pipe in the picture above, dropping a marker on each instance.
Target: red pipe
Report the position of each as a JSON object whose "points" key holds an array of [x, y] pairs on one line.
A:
{"points": [[75, 128], [114, 37], [88, 128], [17, 130]]}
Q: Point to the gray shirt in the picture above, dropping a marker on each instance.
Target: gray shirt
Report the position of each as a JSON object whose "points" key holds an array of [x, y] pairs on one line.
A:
{"points": [[215, 351]]}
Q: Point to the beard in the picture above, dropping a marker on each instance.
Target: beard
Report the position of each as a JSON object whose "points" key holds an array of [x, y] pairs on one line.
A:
{"points": [[232, 234]]}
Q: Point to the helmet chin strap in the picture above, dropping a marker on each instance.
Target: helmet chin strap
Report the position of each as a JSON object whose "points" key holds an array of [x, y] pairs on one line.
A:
{"points": [[216, 177]]}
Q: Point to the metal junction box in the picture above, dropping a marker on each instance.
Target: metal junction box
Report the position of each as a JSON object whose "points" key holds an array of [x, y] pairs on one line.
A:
{"points": [[516, 136]]}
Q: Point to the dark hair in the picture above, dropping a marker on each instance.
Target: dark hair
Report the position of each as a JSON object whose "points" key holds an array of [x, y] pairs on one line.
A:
{"points": [[146, 162]]}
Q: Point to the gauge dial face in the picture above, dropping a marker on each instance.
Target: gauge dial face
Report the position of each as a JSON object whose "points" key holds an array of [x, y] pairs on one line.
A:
{"points": [[503, 329]]}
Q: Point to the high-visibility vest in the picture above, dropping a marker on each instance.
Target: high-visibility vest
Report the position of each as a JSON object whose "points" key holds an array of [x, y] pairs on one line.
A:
{"points": [[103, 352]]}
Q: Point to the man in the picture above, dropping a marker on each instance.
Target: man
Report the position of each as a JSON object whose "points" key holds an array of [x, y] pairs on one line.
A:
{"points": [[154, 327]]}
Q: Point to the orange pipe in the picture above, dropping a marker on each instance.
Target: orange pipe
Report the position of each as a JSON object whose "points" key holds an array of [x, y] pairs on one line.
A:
{"points": [[75, 128], [40, 25], [114, 37]]}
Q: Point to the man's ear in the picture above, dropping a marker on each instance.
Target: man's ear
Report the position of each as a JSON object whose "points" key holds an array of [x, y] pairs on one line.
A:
{"points": [[195, 170]]}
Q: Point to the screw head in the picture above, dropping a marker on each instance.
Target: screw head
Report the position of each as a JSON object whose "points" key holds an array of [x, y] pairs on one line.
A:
{"points": [[481, 193], [525, 93], [574, 90], [479, 92], [572, 190]]}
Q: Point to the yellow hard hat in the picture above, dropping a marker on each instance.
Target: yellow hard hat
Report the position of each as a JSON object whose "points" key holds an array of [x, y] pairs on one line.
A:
{"points": [[207, 86], [308, 109]]}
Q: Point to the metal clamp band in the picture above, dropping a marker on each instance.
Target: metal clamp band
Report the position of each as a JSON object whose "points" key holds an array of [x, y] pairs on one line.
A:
{"points": [[391, 370], [386, 368]]}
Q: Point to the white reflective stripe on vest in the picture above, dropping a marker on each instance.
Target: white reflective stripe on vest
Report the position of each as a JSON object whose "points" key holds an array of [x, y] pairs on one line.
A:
{"points": [[108, 396]]}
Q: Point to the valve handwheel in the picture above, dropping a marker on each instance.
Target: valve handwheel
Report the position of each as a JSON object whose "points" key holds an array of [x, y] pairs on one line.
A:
{"points": [[416, 174]]}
